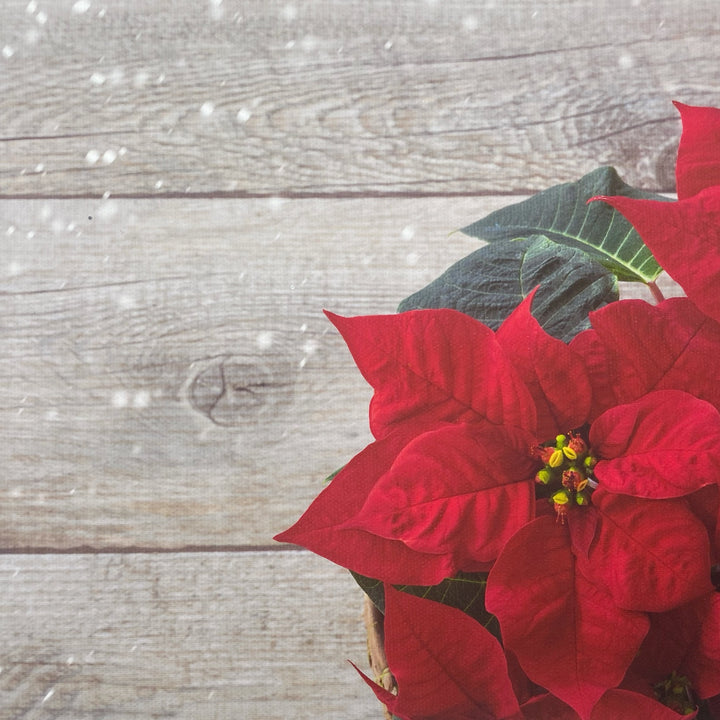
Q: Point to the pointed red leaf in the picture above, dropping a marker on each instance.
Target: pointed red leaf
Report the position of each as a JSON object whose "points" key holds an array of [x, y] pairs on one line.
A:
{"points": [[684, 237], [685, 640], [566, 632], [321, 530], [446, 665], [553, 373], [459, 491], [664, 445], [702, 663], [430, 366], [634, 347], [651, 555], [698, 160]]}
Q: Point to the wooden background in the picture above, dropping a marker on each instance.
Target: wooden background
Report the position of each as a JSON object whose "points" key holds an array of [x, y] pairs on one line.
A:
{"points": [[184, 185]]}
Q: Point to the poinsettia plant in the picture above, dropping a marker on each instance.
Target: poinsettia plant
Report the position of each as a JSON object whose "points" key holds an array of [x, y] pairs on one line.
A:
{"points": [[537, 516]]}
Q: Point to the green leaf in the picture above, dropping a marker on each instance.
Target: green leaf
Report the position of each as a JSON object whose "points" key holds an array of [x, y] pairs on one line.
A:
{"points": [[465, 591], [562, 214], [491, 282]]}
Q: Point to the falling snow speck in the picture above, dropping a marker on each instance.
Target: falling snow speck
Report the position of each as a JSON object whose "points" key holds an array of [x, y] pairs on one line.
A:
{"points": [[8, 51], [408, 232], [243, 115], [97, 79], [264, 339], [109, 157], [207, 109], [92, 156], [80, 7]]}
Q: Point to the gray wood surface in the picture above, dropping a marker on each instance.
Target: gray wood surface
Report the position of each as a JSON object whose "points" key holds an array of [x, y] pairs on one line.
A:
{"points": [[184, 186]]}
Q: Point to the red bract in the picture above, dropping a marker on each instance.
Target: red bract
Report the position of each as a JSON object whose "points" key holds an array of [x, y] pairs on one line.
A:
{"points": [[698, 159], [446, 665], [633, 348], [567, 632], [684, 236]]}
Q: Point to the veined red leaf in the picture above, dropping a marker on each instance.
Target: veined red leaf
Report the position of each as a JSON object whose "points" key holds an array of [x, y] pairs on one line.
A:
{"points": [[634, 347], [431, 366], [446, 665], [459, 491], [698, 159], [566, 632], [684, 237], [685, 640], [320, 529], [664, 445], [553, 373], [651, 555]]}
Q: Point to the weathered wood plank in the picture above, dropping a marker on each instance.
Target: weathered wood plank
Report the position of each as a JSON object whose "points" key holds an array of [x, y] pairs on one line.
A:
{"points": [[344, 96], [218, 636], [167, 376]]}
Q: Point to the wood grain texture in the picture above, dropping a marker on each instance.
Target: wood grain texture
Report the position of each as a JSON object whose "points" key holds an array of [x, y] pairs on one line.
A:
{"points": [[336, 97], [168, 379], [218, 636]]}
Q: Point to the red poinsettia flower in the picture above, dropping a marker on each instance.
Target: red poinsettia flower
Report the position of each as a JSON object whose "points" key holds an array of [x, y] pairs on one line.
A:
{"points": [[469, 425], [684, 236]]}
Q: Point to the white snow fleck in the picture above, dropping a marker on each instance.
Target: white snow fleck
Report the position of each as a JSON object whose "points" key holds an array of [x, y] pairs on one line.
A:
{"points": [[408, 232], [108, 210], [32, 36], [80, 7], [309, 43], [70, 660], [160, 79], [310, 347], [101, 13], [51, 415], [264, 339], [207, 109], [243, 115], [141, 399], [8, 51], [92, 156], [290, 44], [32, 6], [14, 269], [122, 151], [388, 45], [289, 12], [303, 327], [39, 168], [412, 258], [41, 18], [302, 363], [97, 79], [30, 234], [158, 184], [119, 399], [626, 61], [141, 79], [126, 302], [470, 23], [109, 157], [11, 229], [217, 11], [106, 195]]}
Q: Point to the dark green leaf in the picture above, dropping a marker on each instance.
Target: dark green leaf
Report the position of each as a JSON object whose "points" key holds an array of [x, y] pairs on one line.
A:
{"points": [[465, 591], [489, 283], [562, 214]]}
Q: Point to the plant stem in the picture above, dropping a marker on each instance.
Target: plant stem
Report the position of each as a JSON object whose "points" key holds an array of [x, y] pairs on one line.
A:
{"points": [[656, 292]]}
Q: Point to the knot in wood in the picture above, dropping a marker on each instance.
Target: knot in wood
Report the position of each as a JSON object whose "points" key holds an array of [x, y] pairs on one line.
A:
{"points": [[232, 390]]}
